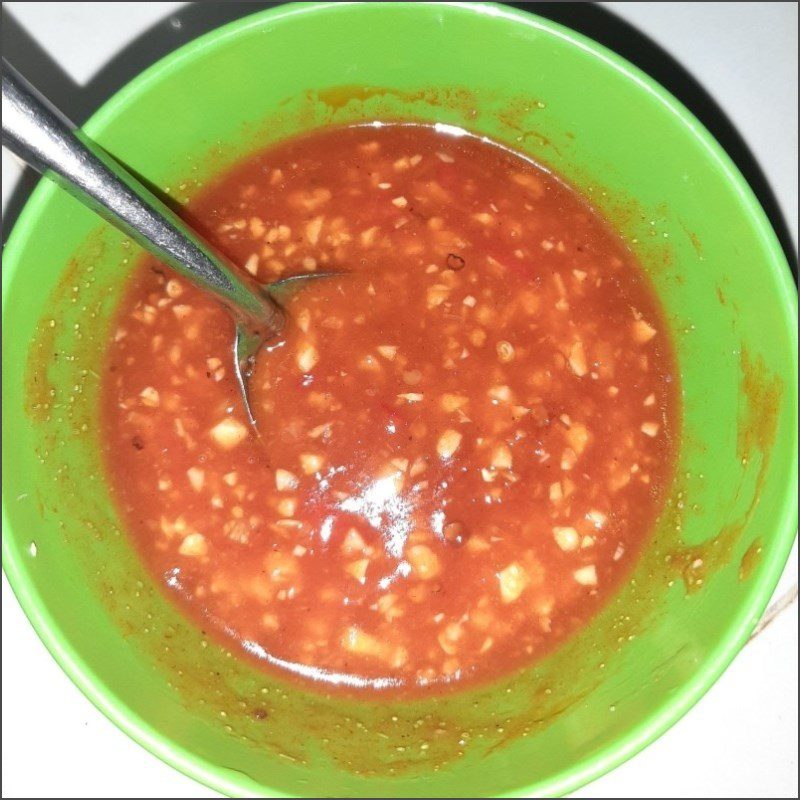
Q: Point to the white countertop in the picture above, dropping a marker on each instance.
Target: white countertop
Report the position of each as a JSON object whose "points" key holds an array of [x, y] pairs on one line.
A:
{"points": [[741, 740]]}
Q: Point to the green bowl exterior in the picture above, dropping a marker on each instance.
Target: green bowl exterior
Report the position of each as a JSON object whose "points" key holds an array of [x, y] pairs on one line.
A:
{"points": [[657, 175]]}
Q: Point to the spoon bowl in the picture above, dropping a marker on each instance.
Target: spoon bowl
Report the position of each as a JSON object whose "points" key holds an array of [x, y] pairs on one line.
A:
{"points": [[42, 136]]}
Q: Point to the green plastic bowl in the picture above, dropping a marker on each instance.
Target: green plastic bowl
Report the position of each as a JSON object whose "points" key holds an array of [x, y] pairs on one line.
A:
{"points": [[719, 546]]}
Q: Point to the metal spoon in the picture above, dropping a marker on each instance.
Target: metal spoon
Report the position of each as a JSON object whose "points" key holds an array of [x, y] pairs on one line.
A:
{"points": [[36, 131]]}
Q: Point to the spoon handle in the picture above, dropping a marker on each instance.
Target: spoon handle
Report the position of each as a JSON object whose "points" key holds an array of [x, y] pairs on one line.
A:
{"points": [[36, 131]]}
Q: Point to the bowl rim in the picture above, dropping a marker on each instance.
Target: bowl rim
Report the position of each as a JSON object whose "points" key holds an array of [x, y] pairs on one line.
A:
{"points": [[671, 709]]}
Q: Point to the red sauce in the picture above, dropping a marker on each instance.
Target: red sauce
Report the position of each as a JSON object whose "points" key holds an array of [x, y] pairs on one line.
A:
{"points": [[465, 437]]}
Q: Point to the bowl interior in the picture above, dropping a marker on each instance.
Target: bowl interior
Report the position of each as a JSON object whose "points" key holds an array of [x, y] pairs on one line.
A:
{"points": [[719, 545]]}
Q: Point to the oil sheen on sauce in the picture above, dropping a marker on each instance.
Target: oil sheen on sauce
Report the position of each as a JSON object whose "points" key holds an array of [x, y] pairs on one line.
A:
{"points": [[465, 434]]}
